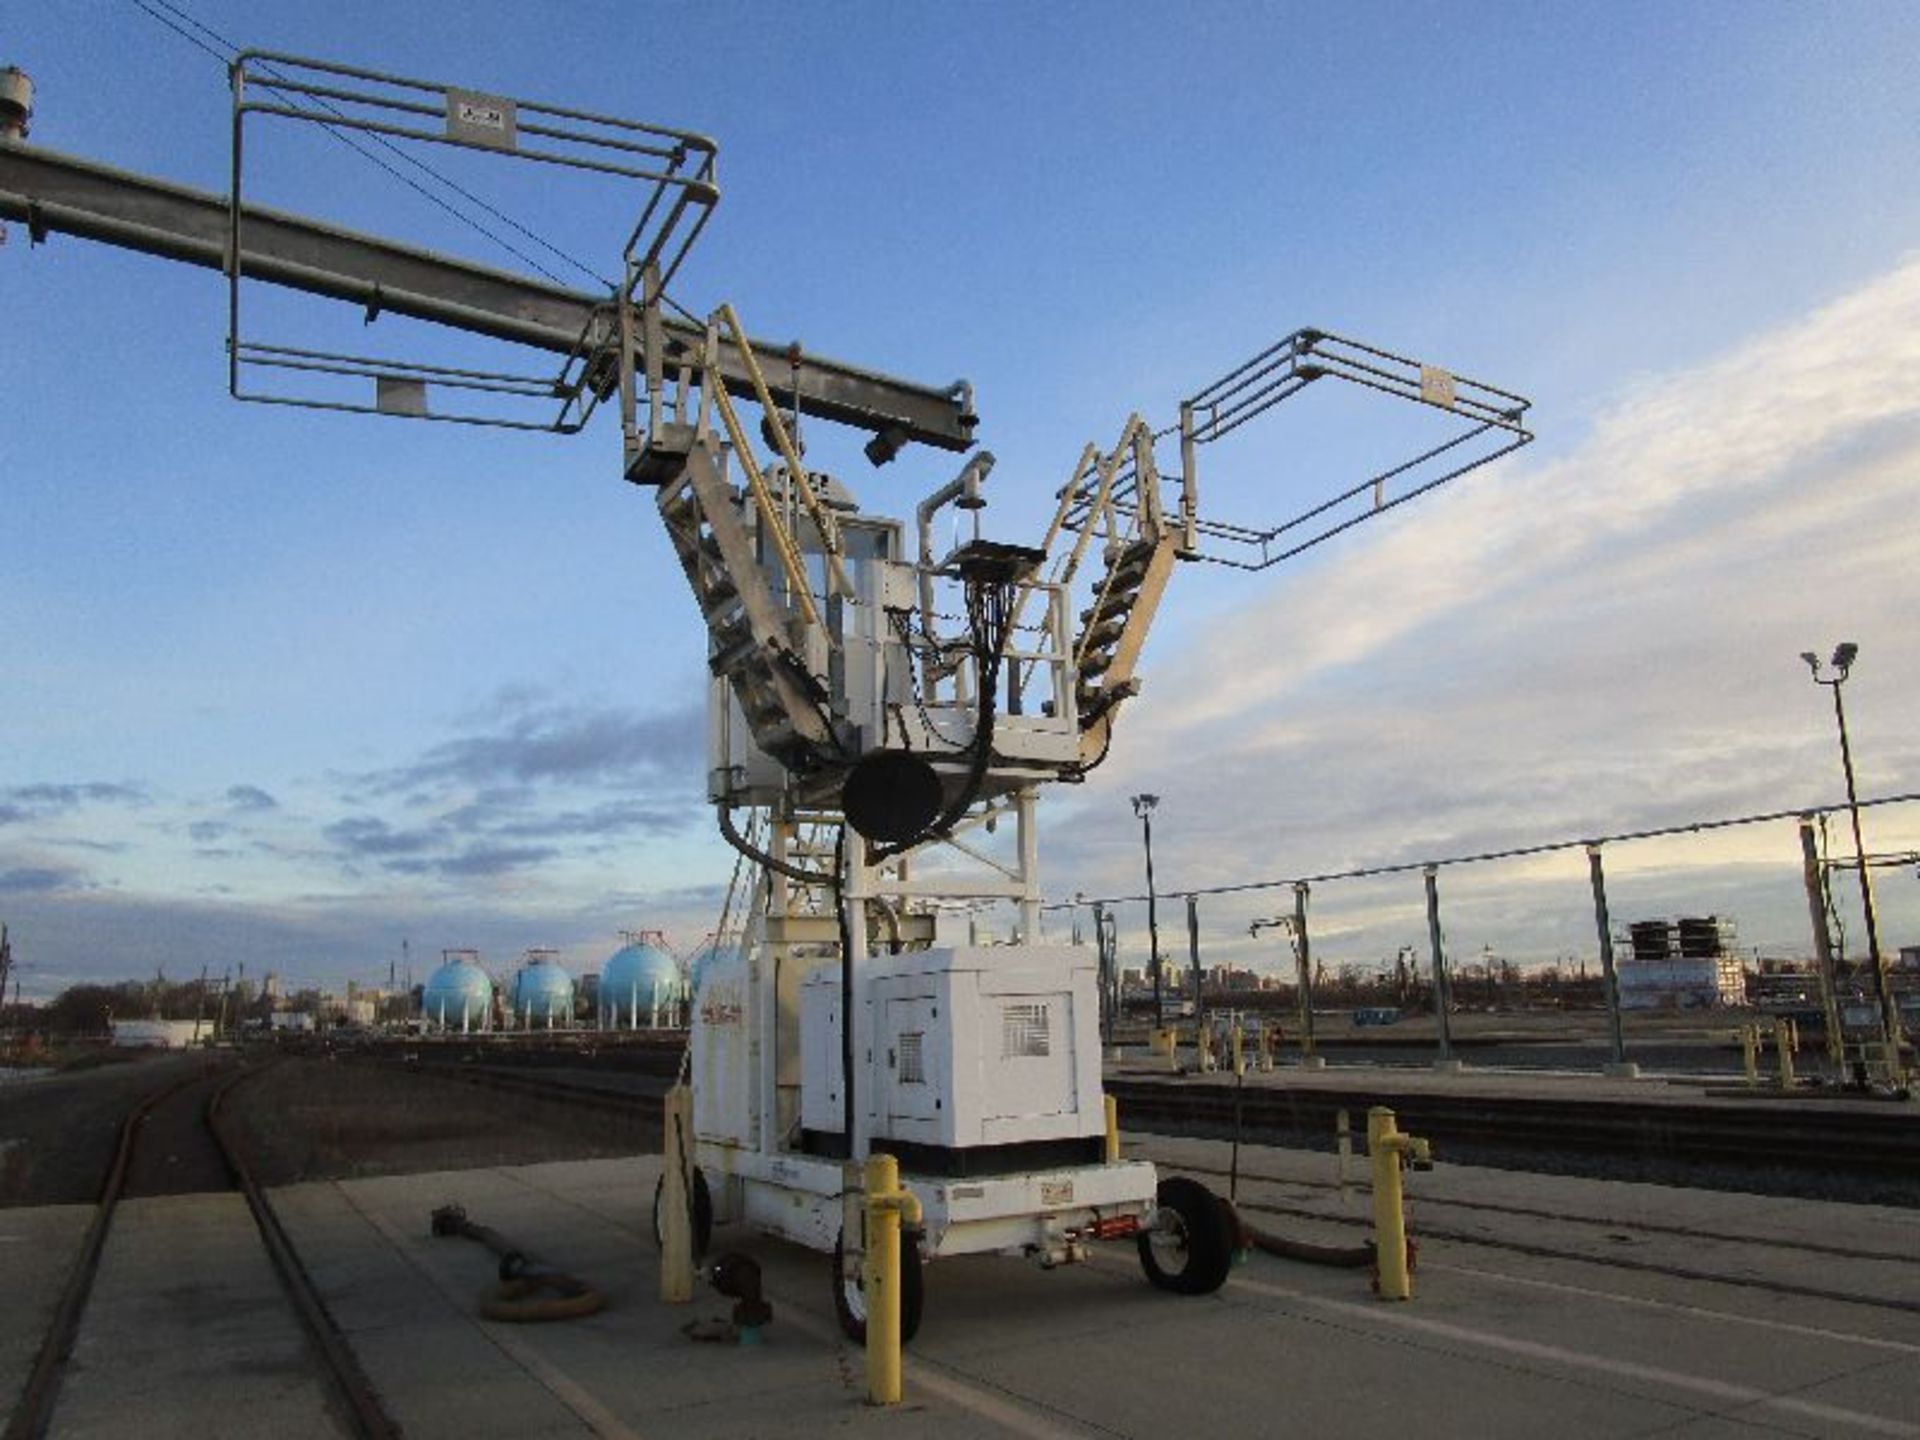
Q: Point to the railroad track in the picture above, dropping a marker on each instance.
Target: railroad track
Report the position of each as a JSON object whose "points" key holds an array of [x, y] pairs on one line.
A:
{"points": [[206, 1092], [1716, 1143], [640, 1105], [1747, 1135]]}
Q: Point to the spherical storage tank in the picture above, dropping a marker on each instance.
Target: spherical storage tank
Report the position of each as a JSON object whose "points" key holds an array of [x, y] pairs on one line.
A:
{"points": [[703, 960], [457, 996], [542, 996], [639, 985]]}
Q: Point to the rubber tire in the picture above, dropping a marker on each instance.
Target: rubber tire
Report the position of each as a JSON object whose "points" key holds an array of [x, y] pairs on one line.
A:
{"points": [[912, 1293], [702, 1212], [1208, 1240]]}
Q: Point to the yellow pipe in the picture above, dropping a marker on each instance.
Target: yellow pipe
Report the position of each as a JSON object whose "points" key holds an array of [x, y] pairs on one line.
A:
{"points": [[1113, 1131], [783, 543], [1386, 1147], [676, 1236], [887, 1204], [829, 530], [1108, 468]]}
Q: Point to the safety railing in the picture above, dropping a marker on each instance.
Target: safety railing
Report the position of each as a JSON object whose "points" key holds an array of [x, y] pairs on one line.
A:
{"points": [[386, 118]]}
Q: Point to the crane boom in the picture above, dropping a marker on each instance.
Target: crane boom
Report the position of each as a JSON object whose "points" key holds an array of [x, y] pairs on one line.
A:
{"points": [[53, 193]]}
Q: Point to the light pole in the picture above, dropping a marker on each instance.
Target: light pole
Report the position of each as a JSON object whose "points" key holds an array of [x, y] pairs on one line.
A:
{"points": [[1143, 805], [1844, 655]]}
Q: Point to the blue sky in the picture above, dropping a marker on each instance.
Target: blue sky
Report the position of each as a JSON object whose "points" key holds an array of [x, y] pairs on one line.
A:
{"points": [[287, 688]]}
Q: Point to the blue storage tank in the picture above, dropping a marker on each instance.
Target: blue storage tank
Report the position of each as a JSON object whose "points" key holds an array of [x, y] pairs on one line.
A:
{"points": [[458, 996], [703, 958], [542, 995], [639, 986]]}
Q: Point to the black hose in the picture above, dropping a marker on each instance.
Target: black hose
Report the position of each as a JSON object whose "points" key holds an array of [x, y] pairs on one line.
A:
{"points": [[733, 837], [1343, 1257], [846, 988]]}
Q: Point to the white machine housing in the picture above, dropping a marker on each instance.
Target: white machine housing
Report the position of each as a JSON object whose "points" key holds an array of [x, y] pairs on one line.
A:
{"points": [[1008, 1055], [972, 1046]]}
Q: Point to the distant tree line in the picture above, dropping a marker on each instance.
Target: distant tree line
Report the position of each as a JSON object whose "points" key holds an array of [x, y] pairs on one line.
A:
{"points": [[90, 1009]]}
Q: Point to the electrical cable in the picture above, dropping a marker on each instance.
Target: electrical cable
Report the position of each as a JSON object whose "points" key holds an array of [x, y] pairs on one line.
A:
{"points": [[232, 50], [902, 622], [845, 925], [1368, 872], [989, 621], [733, 837]]}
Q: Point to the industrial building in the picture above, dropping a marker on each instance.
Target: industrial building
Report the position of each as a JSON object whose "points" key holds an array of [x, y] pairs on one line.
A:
{"points": [[1682, 964]]}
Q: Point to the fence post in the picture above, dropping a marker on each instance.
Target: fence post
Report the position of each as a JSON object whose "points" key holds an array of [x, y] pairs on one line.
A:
{"points": [[1108, 989], [1620, 1066], [1303, 963], [1823, 949], [1193, 955], [1442, 992]]}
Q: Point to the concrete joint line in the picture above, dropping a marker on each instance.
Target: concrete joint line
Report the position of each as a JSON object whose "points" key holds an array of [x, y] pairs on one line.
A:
{"points": [[562, 1386], [1724, 1390]]}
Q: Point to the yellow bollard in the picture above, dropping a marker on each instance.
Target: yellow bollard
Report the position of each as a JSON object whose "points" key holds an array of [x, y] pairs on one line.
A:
{"points": [[1203, 1060], [1266, 1045], [1165, 1042], [1113, 1131], [1386, 1147], [676, 1235], [887, 1205], [1239, 1041], [1750, 1052], [1784, 1038]]}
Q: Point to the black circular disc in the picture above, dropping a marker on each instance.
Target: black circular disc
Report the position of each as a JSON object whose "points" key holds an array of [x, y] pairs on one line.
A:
{"points": [[891, 797]]}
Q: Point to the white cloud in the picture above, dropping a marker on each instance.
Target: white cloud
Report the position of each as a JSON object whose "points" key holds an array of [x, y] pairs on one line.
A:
{"points": [[1600, 640]]}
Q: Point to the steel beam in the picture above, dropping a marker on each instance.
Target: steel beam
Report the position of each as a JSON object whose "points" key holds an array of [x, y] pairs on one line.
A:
{"points": [[60, 194]]}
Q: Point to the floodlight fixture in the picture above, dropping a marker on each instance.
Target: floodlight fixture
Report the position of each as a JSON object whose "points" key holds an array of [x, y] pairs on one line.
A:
{"points": [[1844, 654], [882, 448]]}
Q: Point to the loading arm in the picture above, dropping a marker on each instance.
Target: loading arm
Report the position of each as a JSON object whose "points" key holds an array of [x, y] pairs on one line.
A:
{"points": [[52, 193]]}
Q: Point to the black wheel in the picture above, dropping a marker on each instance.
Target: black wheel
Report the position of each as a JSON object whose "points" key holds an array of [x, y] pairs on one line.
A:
{"points": [[850, 1299], [1192, 1254], [702, 1212]]}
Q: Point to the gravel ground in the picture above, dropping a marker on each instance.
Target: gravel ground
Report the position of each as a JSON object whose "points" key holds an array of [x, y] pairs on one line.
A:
{"points": [[57, 1132], [317, 1118], [301, 1117]]}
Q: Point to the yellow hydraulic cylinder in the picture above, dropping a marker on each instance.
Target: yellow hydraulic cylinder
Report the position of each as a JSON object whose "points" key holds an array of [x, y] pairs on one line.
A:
{"points": [[1387, 1148], [676, 1234], [887, 1204], [1113, 1131]]}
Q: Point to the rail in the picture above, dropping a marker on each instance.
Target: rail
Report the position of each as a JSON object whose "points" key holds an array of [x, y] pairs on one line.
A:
{"points": [[34, 1411]]}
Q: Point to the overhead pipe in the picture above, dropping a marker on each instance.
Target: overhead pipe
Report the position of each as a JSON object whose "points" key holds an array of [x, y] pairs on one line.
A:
{"points": [[963, 491]]}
